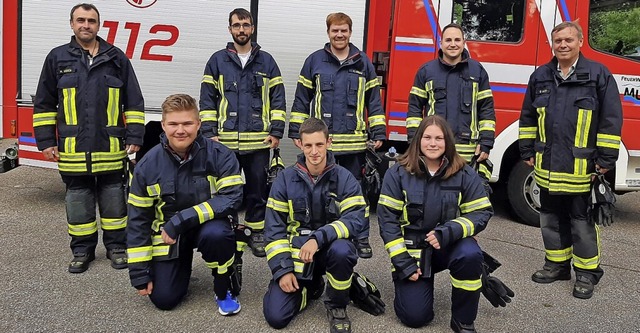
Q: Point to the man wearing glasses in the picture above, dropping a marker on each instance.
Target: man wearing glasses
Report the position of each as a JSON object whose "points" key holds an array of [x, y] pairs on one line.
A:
{"points": [[242, 105]]}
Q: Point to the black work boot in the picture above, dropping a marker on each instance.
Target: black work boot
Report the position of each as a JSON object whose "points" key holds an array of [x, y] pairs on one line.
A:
{"points": [[364, 249], [583, 288], [318, 290], [549, 274], [338, 320], [80, 262], [459, 327], [256, 243], [118, 258]]}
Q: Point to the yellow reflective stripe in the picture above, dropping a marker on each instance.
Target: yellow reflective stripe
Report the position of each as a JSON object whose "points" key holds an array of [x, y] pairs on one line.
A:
{"points": [[72, 167], [112, 106], [44, 118], [252, 136], [484, 94], [468, 285], [413, 122], [305, 82], [586, 263], [107, 166], [276, 247], [274, 81], [558, 255], [487, 125], [349, 202], [223, 104], [240, 246], [473, 126], [243, 145], [229, 181], [371, 84], [318, 99], [348, 146], [134, 117], [428, 87], [297, 117], [108, 156], [204, 211], [468, 228], [84, 229], [360, 124], [542, 114], [113, 223], [139, 254], [258, 225], [582, 128], [390, 202], [208, 115], [395, 247], [154, 190], [138, 201], [340, 228], [228, 136], [418, 92], [527, 132], [608, 141], [70, 151], [339, 284], [265, 104], [221, 268], [209, 79], [114, 144], [160, 250], [377, 121], [277, 205], [303, 303], [466, 150], [278, 115], [481, 203], [69, 105], [349, 137]]}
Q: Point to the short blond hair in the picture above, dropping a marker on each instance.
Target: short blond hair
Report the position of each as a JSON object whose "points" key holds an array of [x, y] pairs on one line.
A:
{"points": [[179, 102]]}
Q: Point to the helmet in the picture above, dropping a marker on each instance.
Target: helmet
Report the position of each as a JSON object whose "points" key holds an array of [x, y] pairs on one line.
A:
{"points": [[275, 167]]}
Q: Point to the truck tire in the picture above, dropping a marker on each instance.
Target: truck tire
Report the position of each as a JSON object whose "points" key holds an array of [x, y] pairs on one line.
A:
{"points": [[524, 195]]}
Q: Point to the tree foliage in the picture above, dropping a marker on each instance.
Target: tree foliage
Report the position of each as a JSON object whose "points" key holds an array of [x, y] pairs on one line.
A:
{"points": [[615, 28]]}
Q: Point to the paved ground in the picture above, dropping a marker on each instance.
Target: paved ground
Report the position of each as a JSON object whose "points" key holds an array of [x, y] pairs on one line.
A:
{"points": [[40, 296]]}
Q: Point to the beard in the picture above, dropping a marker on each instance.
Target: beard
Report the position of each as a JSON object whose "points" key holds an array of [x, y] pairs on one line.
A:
{"points": [[242, 42]]}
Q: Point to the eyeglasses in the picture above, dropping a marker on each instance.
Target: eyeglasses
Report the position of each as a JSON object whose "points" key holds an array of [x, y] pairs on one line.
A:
{"points": [[237, 26]]}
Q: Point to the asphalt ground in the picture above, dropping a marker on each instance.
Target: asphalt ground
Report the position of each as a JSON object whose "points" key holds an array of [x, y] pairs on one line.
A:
{"points": [[39, 295]]}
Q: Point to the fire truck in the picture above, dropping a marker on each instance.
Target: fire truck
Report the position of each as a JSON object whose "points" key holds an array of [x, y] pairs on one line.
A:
{"points": [[511, 38], [170, 41]]}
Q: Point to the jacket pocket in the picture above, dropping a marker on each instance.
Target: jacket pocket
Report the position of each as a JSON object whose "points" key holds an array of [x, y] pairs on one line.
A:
{"points": [[415, 209], [585, 153], [301, 211], [466, 103], [202, 188], [585, 103], [541, 101], [450, 207]]}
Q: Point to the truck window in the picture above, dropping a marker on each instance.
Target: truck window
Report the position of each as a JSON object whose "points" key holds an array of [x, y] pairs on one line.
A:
{"points": [[613, 27], [494, 20]]}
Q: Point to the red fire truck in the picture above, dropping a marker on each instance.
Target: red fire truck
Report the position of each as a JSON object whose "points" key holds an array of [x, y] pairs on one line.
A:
{"points": [[510, 38]]}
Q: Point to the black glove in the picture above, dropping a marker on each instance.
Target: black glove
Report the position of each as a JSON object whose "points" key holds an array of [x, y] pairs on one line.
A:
{"points": [[601, 202], [365, 295], [494, 290]]}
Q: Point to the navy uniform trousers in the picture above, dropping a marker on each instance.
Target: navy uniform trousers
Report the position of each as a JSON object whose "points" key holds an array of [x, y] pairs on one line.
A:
{"points": [[414, 299], [338, 259], [354, 162], [215, 240], [255, 193]]}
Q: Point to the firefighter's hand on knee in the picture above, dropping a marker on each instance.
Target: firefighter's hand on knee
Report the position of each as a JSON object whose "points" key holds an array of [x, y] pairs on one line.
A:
{"points": [[288, 283], [415, 276], [167, 239], [147, 291], [308, 250], [51, 154], [530, 161], [433, 240]]}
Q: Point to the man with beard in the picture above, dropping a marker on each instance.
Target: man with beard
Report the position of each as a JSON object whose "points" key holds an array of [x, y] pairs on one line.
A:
{"points": [[242, 105], [336, 84], [456, 87], [88, 115]]}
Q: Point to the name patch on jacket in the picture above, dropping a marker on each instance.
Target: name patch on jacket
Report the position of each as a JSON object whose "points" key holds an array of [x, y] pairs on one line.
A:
{"points": [[66, 70], [356, 71], [543, 91]]}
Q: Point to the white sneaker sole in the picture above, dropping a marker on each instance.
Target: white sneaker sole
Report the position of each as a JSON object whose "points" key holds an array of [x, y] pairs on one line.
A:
{"points": [[230, 313]]}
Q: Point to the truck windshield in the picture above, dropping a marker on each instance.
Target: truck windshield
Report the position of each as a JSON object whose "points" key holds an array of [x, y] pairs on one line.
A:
{"points": [[613, 27]]}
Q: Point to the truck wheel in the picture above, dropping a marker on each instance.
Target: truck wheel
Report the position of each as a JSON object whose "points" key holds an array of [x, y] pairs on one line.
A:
{"points": [[524, 194]]}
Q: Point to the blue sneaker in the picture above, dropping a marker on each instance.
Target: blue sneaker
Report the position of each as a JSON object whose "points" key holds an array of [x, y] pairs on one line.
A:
{"points": [[229, 305]]}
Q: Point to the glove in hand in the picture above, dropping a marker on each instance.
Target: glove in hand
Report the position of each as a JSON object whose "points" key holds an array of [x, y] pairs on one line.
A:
{"points": [[601, 202], [365, 295]]}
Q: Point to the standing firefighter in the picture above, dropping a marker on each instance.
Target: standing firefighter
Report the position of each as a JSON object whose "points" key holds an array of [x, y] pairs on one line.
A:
{"points": [[88, 114], [242, 105], [339, 85], [569, 129]]}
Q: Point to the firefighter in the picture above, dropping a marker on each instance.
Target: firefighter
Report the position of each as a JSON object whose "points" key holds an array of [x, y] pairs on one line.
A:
{"points": [[570, 129], [314, 208], [173, 209], [242, 105], [430, 207], [456, 87], [88, 115], [336, 84]]}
